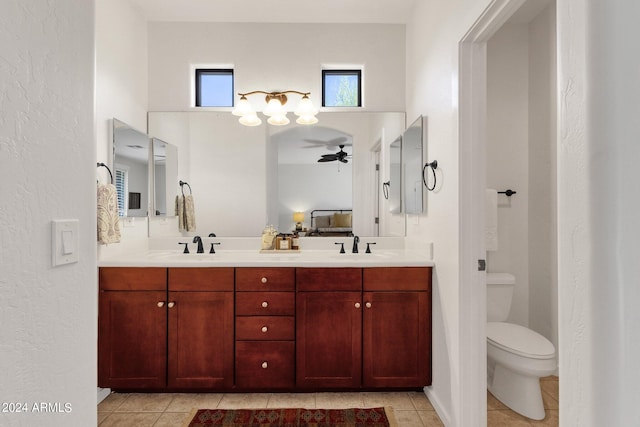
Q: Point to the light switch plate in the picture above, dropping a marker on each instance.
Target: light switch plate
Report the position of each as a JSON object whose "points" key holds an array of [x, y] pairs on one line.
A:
{"points": [[64, 241]]}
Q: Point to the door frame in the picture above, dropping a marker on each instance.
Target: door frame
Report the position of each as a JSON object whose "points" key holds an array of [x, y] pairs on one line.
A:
{"points": [[472, 56]]}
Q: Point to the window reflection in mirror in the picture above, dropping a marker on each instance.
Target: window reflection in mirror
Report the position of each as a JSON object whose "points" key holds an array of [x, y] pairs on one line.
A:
{"points": [[131, 150]]}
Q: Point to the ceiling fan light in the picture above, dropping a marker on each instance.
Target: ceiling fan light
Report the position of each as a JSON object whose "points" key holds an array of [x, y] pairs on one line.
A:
{"points": [[250, 120], [278, 120], [307, 120], [274, 107], [305, 107], [243, 107]]}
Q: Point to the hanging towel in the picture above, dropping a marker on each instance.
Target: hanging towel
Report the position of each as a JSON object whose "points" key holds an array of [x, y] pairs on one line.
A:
{"points": [[108, 220], [185, 210], [491, 220]]}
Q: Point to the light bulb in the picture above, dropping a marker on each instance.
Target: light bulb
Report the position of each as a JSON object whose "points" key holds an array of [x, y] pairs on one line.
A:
{"points": [[243, 107], [274, 107], [305, 107], [250, 120], [278, 120], [307, 120]]}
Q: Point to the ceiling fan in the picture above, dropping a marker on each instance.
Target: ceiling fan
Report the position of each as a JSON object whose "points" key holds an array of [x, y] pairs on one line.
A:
{"points": [[340, 156]]}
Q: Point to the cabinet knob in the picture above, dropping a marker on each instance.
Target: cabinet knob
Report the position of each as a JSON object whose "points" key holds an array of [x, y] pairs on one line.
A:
{"points": [[265, 329], [368, 305], [160, 303], [265, 304], [265, 365], [357, 305], [263, 280], [171, 304]]}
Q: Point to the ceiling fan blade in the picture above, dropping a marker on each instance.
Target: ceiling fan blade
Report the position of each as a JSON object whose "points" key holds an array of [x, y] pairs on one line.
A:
{"points": [[324, 160]]}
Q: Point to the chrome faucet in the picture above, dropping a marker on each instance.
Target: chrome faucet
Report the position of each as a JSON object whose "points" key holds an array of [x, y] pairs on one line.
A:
{"points": [[198, 240], [356, 240]]}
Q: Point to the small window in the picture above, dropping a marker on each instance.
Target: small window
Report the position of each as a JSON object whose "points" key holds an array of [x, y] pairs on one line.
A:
{"points": [[342, 88], [214, 88], [121, 188]]}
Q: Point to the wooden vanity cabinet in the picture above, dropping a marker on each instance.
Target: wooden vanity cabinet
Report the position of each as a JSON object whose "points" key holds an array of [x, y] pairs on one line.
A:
{"points": [[328, 328], [162, 328], [396, 327], [200, 328], [132, 328], [265, 328]]}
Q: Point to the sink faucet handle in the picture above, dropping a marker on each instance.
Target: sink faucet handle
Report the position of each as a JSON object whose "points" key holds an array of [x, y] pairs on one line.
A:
{"points": [[368, 251], [341, 247], [212, 250], [186, 247]]}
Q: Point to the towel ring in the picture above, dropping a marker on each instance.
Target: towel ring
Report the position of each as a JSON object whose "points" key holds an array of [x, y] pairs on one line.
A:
{"points": [[102, 165], [182, 184], [433, 165]]}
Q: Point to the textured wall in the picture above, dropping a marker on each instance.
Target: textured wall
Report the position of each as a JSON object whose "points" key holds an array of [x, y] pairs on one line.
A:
{"points": [[47, 171]]}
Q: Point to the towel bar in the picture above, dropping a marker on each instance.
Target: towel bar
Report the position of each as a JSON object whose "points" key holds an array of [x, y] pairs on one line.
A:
{"points": [[509, 192]]}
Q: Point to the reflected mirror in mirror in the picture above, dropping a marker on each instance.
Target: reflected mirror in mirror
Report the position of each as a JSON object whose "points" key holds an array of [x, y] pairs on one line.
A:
{"points": [[131, 150], [165, 177], [234, 170], [395, 181], [412, 144]]}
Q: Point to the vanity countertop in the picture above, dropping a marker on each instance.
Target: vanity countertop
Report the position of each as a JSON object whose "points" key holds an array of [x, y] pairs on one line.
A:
{"points": [[254, 258]]}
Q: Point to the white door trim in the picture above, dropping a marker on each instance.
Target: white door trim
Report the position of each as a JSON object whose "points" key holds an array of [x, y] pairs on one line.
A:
{"points": [[472, 167]]}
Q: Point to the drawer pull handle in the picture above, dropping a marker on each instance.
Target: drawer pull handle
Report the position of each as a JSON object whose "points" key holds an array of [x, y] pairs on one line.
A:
{"points": [[368, 305], [265, 329], [263, 280], [265, 365], [265, 304], [161, 304], [171, 304], [357, 305]]}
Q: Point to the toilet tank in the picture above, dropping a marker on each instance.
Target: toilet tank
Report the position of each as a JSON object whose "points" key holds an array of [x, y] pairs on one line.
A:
{"points": [[499, 295]]}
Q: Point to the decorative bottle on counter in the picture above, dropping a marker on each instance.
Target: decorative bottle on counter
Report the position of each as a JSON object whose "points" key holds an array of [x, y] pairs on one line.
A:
{"points": [[269, 238], [295, 241]]}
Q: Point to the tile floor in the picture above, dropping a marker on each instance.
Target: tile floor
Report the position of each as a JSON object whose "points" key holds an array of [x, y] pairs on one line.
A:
{"points": [[412, 409]]}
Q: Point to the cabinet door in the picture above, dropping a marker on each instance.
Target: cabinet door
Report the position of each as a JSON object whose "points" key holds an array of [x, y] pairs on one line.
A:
{"points": [[396, 339], [200, 339], [328, 339], [132, 339]]}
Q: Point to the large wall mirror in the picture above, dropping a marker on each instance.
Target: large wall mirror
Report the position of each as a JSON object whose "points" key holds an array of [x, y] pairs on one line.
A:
{"points": [[244, 178]]}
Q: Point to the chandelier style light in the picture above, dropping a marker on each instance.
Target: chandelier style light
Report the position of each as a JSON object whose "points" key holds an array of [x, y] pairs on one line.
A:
{"points": [[275, 109]]}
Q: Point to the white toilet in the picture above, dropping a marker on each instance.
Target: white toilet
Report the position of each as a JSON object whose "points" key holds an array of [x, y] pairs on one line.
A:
{"points": [[517, 357]]}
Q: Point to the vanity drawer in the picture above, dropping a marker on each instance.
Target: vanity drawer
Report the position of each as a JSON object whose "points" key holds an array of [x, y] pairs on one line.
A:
{"points": [[265, 279], [328, 279], [265, 328], [201, 279], [265, 304], [265, 364], [397, 279], [133, 279]]}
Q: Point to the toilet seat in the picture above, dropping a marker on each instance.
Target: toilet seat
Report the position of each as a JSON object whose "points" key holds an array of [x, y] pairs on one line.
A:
{"points": [[519, 340]]}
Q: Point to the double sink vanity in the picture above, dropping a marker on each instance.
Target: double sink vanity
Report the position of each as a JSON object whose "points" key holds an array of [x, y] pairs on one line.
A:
{"points": [[241, 320]]}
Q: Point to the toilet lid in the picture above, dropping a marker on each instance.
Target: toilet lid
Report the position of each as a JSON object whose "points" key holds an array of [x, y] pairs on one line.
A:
{"points": [[520, 340]]}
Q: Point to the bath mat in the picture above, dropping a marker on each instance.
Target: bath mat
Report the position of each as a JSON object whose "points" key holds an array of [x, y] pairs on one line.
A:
{"points": [[295, 417]]}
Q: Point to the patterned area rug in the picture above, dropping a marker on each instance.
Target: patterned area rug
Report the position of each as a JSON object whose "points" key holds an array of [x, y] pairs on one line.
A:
{"points": [[368, 417]]}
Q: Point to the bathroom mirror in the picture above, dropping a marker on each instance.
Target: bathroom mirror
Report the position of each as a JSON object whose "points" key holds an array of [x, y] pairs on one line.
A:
{"points": [[234, 170], [394, 184], [131, 153], [165, 177], [412, 149]]}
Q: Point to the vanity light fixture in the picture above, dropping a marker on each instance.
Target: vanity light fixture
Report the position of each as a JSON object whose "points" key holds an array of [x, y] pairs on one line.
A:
{"points": [[275, 109]]}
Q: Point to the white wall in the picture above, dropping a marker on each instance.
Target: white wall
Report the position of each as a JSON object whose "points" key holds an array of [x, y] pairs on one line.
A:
{"points": [[47, 171], [598, 204], [276, 57], [432, 90], [121, 72]]}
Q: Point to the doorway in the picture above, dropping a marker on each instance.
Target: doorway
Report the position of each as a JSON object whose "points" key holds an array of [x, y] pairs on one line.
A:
{"points": [[475, 141]]}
